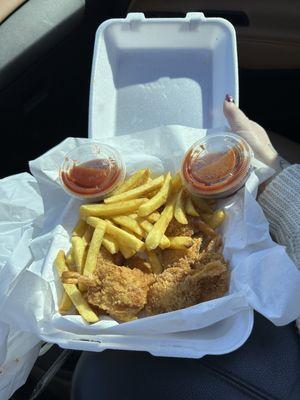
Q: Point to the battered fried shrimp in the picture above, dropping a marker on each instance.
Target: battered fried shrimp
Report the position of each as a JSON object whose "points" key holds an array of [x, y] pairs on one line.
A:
{"points": [[208, 282], [119, 291], [178, 288]]}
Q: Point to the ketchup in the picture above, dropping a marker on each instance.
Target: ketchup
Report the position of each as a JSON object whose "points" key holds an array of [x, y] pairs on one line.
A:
{"points": [[91, 177], [214, 172]]}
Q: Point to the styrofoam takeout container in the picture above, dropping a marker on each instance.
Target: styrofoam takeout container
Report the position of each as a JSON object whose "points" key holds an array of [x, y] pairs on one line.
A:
{"points": [[149, 73], [154, 72], [220, 338]]}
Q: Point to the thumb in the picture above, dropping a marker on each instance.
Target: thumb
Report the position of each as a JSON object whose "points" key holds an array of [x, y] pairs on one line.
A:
{"points": [[236, 118]]}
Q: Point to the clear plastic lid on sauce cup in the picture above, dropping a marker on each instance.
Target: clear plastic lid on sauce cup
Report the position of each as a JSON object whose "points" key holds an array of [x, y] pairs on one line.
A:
{"points": [[217, 165], [91, 171]]}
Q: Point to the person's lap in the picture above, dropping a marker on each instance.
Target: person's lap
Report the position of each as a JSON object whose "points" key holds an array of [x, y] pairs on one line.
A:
{"points": [[266, 367]]}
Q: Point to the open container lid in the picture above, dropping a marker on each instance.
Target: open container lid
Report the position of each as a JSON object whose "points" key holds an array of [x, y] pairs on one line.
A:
{"points": [[153, 72]]}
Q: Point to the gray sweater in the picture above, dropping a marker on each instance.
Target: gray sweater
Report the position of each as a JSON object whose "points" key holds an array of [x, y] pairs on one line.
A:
{"points": [[281, 204]]}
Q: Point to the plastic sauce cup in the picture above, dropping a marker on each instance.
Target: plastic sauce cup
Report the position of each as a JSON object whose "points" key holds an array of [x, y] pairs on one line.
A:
{"points": [[92, 171], [217, 165]]}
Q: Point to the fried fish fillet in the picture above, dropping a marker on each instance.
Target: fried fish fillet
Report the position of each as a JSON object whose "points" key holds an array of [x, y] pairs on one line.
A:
{"points": [[178, 287], [119, 291]]}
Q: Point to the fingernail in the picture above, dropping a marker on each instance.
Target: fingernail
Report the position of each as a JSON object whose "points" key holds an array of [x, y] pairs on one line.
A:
{"points": [[229, 98]]}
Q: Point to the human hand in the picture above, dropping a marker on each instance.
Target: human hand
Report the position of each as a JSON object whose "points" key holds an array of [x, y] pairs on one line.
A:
{"points": [[253, 133]]}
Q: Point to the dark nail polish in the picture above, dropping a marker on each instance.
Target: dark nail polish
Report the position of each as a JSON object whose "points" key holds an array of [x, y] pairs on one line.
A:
{"points": [[229, 98]]}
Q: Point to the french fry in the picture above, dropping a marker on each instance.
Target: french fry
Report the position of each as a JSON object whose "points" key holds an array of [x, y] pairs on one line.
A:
{"points": [[135, 234], [155, 263], [110, 244], [204, 228], [109, 210], [154, 237], [180, 242], [152, 194], [136, 192], [154, 217], [127, 252], [138, 178], [70, 260], [87, 236], [176, 182], [201, 204], [65, 303], [133, 216], [147, 226], [94, 248], [129, 223], [79, 228], [73, 292], [124, 237], [216, 219], [79, 252], [179, 212], [206, 217], [94, 221], [189, 207], [215, 244], [158, 200]]}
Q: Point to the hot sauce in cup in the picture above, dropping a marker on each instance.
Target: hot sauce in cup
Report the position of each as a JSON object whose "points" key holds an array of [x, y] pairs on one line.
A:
{"points": [[217, 165], [92, 170]]}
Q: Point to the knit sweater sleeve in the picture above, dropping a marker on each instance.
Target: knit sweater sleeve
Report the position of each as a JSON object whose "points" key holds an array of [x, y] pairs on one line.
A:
{"points": [[281, 204]]}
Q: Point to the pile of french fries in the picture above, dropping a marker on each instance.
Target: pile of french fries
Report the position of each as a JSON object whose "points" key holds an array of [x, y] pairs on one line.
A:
{"points": [[133, 219]]}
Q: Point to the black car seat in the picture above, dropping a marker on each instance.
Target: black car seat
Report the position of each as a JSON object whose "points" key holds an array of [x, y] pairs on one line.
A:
{"points": [[265, 367]]}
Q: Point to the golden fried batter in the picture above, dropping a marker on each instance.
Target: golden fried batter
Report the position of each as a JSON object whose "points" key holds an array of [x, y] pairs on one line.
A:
{"points": [[177, 229], [206, 258], [178, 288], [119, 291], [105, 256], [181, 258]]}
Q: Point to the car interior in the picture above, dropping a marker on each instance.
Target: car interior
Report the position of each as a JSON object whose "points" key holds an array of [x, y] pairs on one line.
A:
{"points": [[46, 51]]}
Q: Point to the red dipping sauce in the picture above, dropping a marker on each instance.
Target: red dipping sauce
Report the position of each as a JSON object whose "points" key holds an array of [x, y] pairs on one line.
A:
{"points": [[216, 166], [94, 177], [91, 177]]}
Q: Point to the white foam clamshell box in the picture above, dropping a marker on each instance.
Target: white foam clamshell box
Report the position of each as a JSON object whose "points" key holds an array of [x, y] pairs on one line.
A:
{"points": [[154, 72], [149, 73]]}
